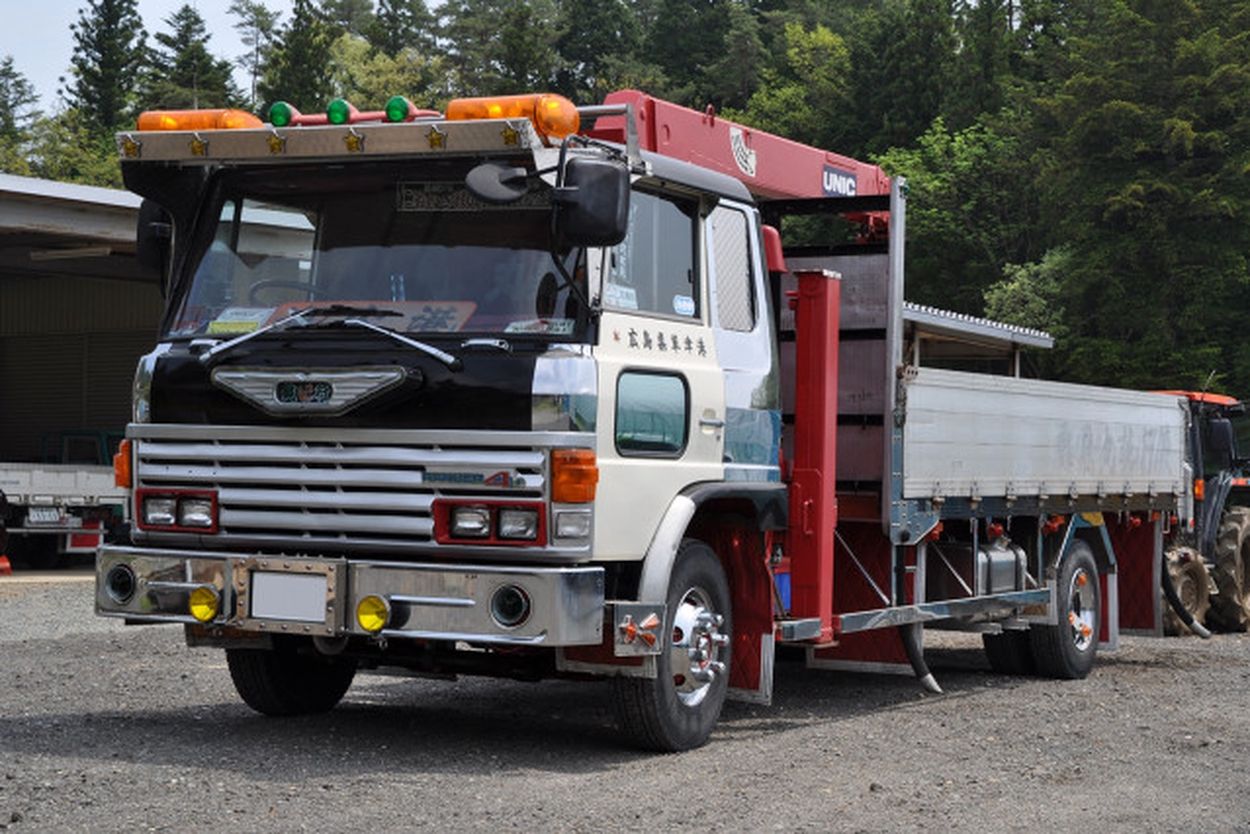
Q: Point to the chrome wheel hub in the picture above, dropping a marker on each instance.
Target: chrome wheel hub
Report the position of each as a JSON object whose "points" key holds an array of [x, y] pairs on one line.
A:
{"points": [[1082, 609], [696, 647]]}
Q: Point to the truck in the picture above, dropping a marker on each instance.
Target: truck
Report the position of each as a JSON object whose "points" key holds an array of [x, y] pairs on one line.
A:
{"points": [[532, 390], [74, 318]]}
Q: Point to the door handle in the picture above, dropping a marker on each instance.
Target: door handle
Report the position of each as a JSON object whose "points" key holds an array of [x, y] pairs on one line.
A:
{"points": [[711, 423]]}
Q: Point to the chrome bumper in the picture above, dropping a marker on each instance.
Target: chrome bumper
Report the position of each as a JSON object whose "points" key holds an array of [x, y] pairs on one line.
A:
{"points": [[427, 601]]}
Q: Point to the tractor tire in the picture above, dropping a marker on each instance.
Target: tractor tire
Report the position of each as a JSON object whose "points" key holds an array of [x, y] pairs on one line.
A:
{"points": [[1009, 653], [1230, 607], [282, 682], [1067, 650], [1193, 585], [678, 708]]}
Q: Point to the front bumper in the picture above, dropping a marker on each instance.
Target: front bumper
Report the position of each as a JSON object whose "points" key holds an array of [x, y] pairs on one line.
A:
{"points": [[427, 601]]}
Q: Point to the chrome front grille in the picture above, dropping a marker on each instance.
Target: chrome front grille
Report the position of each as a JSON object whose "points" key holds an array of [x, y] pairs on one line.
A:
{"points": [[308, 492]]}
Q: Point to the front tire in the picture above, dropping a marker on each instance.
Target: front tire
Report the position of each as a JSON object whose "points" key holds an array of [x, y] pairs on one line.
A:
{"points": [[1067, 650], [678, 709], [282, 682]]}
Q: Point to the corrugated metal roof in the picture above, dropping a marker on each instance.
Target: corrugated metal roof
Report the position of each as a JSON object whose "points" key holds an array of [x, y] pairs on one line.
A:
{"points": [[936, 320], [72, 192]]}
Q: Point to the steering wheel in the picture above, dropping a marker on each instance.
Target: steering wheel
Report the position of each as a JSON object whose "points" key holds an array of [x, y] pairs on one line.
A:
{"points": [[280, 283]]}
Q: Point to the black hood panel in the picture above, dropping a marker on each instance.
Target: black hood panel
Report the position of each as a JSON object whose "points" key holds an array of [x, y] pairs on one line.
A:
{"points": [[492, 390]]}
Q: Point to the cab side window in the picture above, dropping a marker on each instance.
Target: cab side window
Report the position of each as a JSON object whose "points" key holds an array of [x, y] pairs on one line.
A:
{"points": [[730, 249], [653, 269]]}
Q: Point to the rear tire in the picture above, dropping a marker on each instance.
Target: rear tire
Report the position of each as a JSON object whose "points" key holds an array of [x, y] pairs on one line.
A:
{"points": [[282, 682], [1009, 653], [678, 709], [1230, 607], [1067, 650], [1192, 582]]}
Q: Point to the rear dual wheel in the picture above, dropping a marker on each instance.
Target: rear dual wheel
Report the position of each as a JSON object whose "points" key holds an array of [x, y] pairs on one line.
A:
{"points": [[1066, 649]]}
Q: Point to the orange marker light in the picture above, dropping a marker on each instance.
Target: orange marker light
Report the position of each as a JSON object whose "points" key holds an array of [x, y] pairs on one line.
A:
{"points": [[121, 465], [197, 120], [553, 116], [574, 476], [1200, 489]]}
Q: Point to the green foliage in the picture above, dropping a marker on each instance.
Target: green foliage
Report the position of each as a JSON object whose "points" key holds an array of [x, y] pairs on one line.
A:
{"points": [[367, 77], [257, 26], [598, 38], [969, 212], [109, 54], [804, 99], [17, 103], [181, 73], [68, 148], [400, 25], [298, 69], [502, 46]]}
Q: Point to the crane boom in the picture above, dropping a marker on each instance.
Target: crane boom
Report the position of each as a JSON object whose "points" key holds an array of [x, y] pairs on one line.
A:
{"points": [[771, 167]]}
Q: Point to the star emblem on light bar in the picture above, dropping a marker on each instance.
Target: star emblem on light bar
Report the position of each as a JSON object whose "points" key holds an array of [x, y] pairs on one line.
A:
{"points": [[437, 139]]}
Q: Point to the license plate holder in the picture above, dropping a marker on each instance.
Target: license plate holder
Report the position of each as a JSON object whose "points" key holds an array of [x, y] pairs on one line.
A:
{"points": [[50, 516], [299, 596], [291, 597]]}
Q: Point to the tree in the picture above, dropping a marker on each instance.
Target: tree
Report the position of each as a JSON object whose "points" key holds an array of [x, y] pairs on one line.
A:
{"points": [[970, 212], [68, 148], [17, 100], [109, 54], [257, 26], [685, 37], [402, 24], [182, 74], [803, 101], [598, 38], [733, 77], [298, 69], [351, 16], [368, 77], [502, 46]]}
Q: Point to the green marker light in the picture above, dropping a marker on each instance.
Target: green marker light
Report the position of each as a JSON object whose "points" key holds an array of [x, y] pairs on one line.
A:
{"points": [[398, 108], [281, 114], [339, 112]]}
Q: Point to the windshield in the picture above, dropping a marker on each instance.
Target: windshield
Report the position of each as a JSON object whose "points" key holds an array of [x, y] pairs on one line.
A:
{"points": [[420, 251]]}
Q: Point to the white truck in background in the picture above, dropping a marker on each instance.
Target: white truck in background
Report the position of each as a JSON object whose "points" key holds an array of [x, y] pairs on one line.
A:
{"points": [[53, 510]]}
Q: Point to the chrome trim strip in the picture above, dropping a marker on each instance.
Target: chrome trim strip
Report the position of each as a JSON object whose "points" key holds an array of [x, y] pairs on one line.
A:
{"points": [[441, 602], [927, 612], [290, 434], [355, 455]]}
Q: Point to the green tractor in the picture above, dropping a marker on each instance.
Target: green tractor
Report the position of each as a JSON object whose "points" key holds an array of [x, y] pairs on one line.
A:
{"points": [[1208, 561]]}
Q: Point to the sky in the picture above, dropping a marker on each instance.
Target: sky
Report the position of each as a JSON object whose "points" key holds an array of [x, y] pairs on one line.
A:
{"points": [[36, 33]]}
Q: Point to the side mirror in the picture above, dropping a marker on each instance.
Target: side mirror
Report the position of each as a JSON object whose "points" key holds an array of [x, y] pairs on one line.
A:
{"points": [[592, 205], [153, 236]]}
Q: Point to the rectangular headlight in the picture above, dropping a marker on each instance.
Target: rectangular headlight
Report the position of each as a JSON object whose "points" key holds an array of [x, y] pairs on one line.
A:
{"points": [[470, 522], [518, 524], [195, 512], [160, 511]]}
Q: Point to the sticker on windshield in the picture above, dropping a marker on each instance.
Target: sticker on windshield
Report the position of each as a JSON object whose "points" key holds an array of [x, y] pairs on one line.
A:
{"points": [[233, 321], [683, 305], [555, 327], [620, 296]]}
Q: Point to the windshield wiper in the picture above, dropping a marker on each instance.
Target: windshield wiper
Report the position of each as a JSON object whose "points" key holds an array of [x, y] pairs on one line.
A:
{"points": [[298, 317], [443, 356]]}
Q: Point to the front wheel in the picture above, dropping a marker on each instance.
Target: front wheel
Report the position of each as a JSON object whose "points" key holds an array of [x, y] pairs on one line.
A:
{"points": [[679, 707], [284, 682], [1067, 650]]}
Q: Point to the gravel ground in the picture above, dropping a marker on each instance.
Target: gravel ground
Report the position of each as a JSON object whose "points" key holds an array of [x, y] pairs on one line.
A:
{"points": [[106, 728]]}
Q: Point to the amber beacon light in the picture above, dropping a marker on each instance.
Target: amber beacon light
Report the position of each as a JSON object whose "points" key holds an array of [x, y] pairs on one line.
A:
{"points": [[553, 116], [197, 120]]}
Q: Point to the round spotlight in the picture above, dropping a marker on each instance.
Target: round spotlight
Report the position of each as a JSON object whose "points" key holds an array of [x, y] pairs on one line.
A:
{"points": [[120, 584], [373, 613], [204, 603], [510, 606]]}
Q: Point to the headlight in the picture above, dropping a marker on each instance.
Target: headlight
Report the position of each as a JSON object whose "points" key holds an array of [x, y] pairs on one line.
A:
{"points": [[160, 512], [573, 524], [470, 522], [195, 512], [518, 524]]}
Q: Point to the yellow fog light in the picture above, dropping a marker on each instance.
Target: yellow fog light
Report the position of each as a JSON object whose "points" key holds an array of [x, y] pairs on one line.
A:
{"points": [[204, 603], [372, 612]]}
